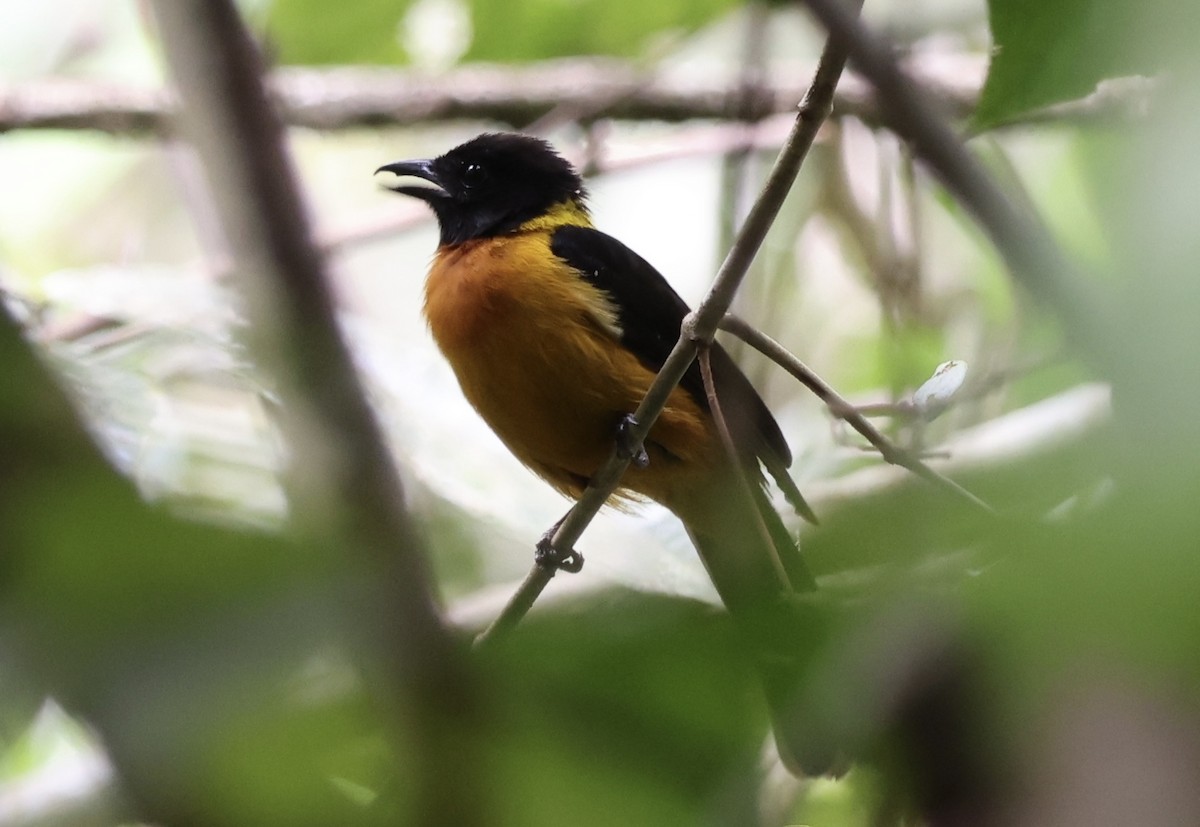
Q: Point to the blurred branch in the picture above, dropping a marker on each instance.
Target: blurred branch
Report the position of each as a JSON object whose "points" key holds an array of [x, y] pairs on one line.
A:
{"points": [[1022, 239], [891, 264], [353, 97], [343, 488], [350, 97], [698, 329], [735, 166], [737, 181]]}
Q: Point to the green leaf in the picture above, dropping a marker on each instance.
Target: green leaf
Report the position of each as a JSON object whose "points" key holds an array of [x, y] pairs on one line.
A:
{"points": [[1049, 52], [375, 31], [533, 29], [315, 32], [653, 690]]}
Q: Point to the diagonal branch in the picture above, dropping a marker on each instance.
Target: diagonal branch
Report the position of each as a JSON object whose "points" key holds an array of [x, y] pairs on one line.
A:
{"points": [[344, 491], [743, 484], [843, 409], [699, 326], [281, 277]]}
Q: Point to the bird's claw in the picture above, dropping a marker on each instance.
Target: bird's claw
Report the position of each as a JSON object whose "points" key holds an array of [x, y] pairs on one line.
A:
{"points": [[549, 557], [630, 449]]}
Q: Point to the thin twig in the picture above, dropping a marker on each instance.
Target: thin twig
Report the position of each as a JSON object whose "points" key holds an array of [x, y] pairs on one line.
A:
{"points": [[904, 409], [844, 409], [699, 326], [731, 451], [518, 605]]}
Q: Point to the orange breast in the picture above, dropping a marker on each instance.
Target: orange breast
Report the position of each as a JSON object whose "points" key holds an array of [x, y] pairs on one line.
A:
{"points": [[536, 351]]}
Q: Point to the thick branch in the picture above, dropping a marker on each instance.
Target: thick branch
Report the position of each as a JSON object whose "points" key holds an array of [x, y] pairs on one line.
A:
{"points": [[350, 97]]}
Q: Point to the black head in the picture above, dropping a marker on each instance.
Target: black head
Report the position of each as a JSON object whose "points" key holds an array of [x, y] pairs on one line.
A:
{"points": [[492, 184]]}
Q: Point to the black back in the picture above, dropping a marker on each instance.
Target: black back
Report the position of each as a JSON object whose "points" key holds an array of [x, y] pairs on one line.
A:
{"points": [[650, 315]]}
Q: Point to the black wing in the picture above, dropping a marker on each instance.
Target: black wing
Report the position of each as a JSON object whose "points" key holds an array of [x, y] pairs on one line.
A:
{"points": [[651, 313]]}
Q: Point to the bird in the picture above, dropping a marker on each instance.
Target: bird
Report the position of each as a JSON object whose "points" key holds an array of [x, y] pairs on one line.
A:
{"points": [[555, 331]]}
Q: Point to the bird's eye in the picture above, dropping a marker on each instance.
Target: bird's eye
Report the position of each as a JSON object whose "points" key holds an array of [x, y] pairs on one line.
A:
{"points": [[473, 175]]}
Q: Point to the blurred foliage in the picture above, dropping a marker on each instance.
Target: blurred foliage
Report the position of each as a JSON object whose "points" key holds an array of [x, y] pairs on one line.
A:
{"points": [[369, 31], [309, 31], [1046, 53], [531, 29], [1043, 667]]}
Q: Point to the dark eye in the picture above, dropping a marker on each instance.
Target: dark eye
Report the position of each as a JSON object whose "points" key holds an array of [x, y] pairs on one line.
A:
{"points": [[473, 175]]}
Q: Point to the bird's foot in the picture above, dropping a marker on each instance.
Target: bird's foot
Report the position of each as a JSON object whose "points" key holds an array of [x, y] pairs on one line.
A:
{"points": [[549, 557], [627, 446]]}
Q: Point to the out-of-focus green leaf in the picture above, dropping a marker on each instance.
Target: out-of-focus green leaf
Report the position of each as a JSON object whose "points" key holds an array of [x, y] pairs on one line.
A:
{"points": [[841, 801], [1046, 53], [532, 29], [911, 354], [312, 31], [652, 689]]}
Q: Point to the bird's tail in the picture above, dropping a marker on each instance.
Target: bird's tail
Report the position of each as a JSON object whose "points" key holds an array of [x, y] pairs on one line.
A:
{"points": [[755, 566], [748, 551]]}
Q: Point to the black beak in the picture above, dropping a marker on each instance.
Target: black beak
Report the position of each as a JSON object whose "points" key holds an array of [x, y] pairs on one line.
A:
{"points": [[416, 169]]}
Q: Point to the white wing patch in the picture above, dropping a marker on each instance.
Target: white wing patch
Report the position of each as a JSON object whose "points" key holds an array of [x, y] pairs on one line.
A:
{"points": [[600, 309]]}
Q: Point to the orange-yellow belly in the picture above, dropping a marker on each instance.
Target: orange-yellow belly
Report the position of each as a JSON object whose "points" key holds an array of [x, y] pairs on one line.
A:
{"points": [[536, 351]]}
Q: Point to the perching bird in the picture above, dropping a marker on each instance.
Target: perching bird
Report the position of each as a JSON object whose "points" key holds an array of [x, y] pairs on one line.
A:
{"points": [[556, 330]]}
